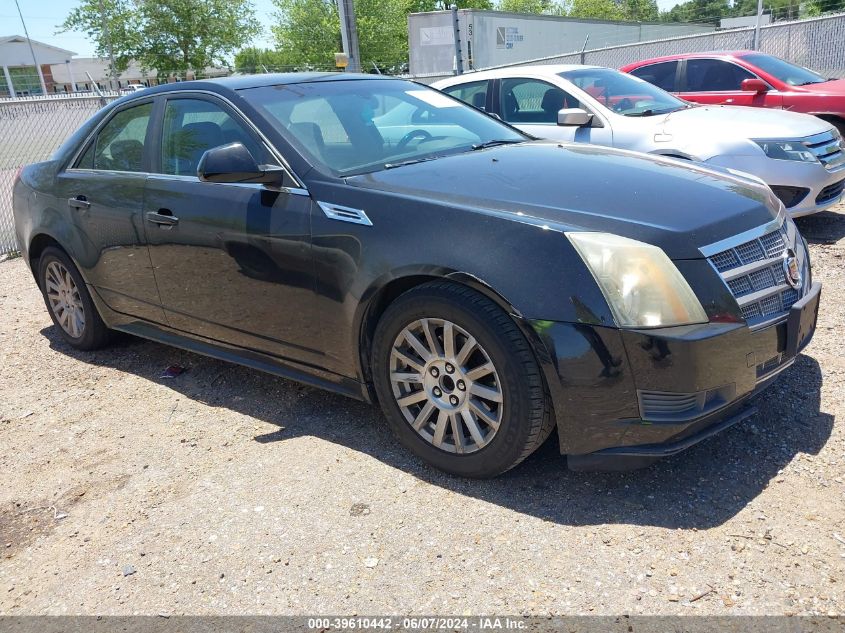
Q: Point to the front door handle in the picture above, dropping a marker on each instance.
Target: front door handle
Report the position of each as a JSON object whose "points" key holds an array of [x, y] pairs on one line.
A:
{"points": [[162, 217], [79, 202]]}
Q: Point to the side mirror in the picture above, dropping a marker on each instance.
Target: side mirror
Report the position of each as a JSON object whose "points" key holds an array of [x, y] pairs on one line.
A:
{"points": [[574, 117], [233, 163], [754, 85]]}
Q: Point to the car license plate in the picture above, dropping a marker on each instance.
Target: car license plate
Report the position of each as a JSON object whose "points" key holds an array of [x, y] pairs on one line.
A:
{"points": [[802, 321]]}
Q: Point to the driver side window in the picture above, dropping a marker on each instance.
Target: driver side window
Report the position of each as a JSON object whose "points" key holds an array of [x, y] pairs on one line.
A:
{"points": [[533, 101], [193, 126]]}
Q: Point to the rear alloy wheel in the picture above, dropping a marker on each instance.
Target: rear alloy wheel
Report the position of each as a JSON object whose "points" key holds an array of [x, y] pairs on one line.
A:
{"points": [[68, 301], [458, 382], [64, 299]]}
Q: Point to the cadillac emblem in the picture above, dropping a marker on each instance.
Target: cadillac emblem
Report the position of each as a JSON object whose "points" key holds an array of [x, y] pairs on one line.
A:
{"points": [[791, 270]]}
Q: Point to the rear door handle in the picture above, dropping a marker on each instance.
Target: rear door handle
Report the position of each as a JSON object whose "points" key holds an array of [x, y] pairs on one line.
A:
{"points": [[162, 217], [79, 202]]}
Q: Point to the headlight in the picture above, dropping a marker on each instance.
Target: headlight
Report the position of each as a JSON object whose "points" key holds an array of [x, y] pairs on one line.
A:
{"points": [[641, 284], [787, 150]]}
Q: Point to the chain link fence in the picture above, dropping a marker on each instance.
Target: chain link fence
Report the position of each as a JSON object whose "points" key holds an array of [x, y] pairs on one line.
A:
{"points": [[31, 129], [817, 43]]}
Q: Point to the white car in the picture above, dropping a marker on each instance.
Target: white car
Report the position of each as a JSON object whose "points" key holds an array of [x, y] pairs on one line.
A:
{"points": [[801, 157]]}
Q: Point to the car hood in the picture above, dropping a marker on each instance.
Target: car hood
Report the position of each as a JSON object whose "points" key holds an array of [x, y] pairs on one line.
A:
{"points": [[676, 205], [833, 88], [739, 122]]}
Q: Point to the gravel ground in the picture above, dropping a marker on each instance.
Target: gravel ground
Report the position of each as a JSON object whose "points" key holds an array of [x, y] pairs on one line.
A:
{"points": [[227, 491]]}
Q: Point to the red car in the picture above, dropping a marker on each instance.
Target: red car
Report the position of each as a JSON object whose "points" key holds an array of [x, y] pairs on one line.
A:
{"points": [[748, 78]]}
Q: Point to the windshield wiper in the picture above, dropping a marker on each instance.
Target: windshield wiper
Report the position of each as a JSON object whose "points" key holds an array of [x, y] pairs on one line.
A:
{"points": [[495, 142], [653, 112], [410, 161]]}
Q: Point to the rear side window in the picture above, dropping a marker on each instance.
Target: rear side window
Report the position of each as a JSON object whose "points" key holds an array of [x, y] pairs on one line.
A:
{"points": [[119, 145], [714, 75], [533, 101], [661, 75], [193, 126], [473, 93]]}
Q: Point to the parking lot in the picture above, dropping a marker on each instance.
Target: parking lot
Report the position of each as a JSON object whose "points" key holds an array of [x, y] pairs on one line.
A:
{"points": [[228, 491]]}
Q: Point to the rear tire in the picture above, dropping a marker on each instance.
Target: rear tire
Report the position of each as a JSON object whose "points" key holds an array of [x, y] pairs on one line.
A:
{"points": [[68, 301], [458, 382]]}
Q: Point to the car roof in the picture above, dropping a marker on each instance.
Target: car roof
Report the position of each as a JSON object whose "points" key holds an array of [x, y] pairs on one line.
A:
{"points": [[667, 58], [497, 73], [241, 82]]}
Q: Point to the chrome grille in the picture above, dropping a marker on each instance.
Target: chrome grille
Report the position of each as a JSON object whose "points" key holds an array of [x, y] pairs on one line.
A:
{"points": [[725, 260], [828, 148], [751, 265], [750, 252]]}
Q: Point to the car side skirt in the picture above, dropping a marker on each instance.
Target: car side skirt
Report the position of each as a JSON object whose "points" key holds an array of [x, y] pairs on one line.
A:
{"points": [[284, 368]]}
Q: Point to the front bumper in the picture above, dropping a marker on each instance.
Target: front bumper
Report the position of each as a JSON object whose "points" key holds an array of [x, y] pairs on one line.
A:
{"points": [[624, 398], [821, 188]]}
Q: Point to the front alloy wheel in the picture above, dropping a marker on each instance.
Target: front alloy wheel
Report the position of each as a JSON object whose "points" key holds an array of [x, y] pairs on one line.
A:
{"points": [[446, 385], [458, 381]]}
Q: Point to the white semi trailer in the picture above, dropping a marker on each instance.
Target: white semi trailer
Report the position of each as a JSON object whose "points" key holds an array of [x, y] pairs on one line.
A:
{"points": [[493, 38]]}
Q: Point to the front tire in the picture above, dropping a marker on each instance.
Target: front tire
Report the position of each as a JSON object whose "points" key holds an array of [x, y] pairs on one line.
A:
{"points": [[458, 382], [69, 302]]}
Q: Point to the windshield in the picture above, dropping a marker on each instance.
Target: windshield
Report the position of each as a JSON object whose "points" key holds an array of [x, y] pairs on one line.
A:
{"points": [[783, 70], [623, 94], [359, 126]]}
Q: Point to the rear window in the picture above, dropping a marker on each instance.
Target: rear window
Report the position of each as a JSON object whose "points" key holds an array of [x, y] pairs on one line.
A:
{"points": [[661, 75]]}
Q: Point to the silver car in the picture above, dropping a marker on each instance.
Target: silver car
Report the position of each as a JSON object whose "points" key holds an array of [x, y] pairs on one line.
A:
{"points": [[801, 157]]}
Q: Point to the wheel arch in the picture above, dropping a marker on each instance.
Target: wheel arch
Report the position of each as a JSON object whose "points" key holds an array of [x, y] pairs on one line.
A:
{"points": [[387, 289], [37, 245]]}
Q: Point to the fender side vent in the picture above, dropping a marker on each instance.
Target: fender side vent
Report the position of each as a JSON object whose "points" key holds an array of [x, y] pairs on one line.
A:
{"points": [[345, 214]]}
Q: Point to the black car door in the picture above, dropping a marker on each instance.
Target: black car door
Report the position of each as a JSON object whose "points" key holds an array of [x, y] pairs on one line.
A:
{"points": [[232, 261], [103, 191]]}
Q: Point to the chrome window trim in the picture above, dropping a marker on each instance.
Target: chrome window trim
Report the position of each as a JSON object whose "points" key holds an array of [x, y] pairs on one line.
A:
{"points": [[140, 99], [296, 191], [114, 172]]}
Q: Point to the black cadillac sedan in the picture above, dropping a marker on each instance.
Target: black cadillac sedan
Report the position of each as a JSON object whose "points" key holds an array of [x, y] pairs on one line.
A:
{"points": [[374, 237]]}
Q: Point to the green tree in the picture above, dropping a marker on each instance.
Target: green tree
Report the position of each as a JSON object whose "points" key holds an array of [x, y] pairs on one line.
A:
{"points": [[170, 36], [598, 9], [544, 7], [307, 32], [640, 10], [178, 35], [254, 60], [118, 17]]}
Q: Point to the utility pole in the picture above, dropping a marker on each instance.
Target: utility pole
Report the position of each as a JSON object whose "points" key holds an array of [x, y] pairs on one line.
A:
{"points": [[349, 34], [459, 56], [112, 66], [32, 52], [757, 26]]}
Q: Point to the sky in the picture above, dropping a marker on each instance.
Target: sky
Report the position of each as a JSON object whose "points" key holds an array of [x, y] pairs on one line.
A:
{"points": [[43, 17]]}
